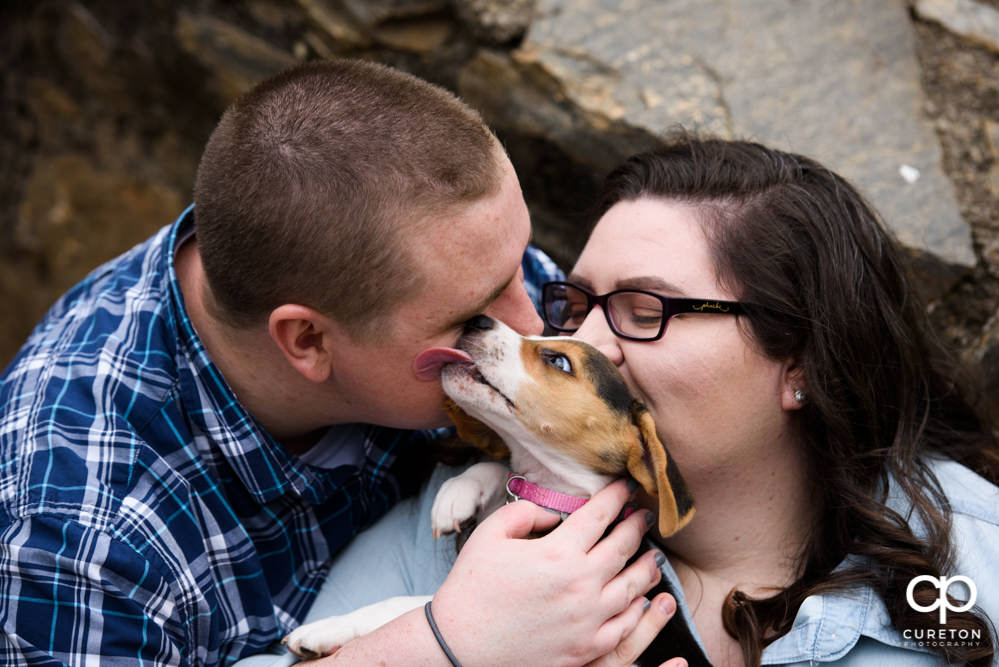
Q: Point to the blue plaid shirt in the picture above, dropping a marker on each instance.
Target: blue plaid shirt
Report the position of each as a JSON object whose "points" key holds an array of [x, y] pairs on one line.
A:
{"points": [[145, 516]]}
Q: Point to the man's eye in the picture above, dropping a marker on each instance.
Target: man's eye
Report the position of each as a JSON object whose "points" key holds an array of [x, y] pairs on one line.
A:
{"points": [[557, 361]]}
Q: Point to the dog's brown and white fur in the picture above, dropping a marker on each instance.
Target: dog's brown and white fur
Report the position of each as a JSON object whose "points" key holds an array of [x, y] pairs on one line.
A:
{"points": [[565, 417]]}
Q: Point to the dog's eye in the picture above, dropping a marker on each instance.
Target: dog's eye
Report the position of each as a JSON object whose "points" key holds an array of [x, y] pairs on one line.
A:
{"points": [[557, 361]]}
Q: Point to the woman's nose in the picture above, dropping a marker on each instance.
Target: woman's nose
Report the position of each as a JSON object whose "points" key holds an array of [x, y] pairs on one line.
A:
{"points": [[597, 333]]}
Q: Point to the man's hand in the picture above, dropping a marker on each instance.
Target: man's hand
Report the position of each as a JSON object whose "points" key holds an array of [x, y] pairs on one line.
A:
{"points": [[562, 599]]}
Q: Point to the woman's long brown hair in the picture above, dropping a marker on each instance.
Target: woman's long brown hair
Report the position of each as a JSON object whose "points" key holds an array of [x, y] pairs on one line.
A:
{"points": [[831, 292]]}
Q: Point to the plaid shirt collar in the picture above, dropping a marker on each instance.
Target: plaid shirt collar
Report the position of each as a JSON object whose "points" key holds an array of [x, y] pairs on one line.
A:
{"points": [[264, 467]]}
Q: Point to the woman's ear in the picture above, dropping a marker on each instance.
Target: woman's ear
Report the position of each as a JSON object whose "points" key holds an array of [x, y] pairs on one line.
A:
{"points": [[794, 389], [305, 338]]}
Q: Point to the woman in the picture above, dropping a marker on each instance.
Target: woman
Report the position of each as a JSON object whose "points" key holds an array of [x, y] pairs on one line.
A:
{"points": [[832, 455]]}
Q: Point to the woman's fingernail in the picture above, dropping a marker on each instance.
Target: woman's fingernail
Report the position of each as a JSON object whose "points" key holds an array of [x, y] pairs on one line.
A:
{"points": [[649, 518], [660, 558], [668, 604], [646, 605], [632, 484]]}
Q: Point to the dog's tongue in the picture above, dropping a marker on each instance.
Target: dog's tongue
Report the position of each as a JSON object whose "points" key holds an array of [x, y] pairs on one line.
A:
{"points": [[428, 363]]}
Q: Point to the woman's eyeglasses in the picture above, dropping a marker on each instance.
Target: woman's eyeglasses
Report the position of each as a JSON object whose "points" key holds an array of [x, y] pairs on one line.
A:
{"points": [[631, 314]]}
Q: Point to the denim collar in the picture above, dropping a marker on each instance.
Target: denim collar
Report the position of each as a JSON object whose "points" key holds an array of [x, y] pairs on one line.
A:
{"points": [[828, 626]]}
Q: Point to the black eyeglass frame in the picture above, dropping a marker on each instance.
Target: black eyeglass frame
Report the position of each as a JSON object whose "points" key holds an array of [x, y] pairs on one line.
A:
{"points": [[671, 306]]}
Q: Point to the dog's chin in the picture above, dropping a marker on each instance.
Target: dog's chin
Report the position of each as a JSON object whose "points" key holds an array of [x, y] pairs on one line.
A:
{"points": [[473, 393]]}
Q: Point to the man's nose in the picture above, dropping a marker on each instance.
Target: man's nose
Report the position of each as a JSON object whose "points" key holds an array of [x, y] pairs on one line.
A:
{"points": [[515, 309]]}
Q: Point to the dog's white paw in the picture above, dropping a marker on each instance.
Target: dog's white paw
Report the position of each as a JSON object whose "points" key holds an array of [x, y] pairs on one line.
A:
{"points": [[461, 498], [315, 640], [458, 500]]}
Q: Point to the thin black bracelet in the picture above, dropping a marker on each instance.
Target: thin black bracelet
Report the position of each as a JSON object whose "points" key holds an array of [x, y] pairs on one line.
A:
{"points": [[440, 639]]}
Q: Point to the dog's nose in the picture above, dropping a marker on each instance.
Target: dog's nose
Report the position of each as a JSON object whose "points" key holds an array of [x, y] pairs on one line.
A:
{"points": [[479, 323]]}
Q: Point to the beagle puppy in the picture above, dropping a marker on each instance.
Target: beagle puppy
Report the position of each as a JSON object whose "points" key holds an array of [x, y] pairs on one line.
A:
{"points": [[559, 415], [560, 411]]}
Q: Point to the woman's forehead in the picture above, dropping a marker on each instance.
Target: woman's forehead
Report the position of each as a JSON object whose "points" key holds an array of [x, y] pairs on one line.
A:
{"points": [[647, 239]]}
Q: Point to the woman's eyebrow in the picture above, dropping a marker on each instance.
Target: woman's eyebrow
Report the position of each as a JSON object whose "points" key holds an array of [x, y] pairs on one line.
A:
{"points": [[651, 283], [582, 282]]}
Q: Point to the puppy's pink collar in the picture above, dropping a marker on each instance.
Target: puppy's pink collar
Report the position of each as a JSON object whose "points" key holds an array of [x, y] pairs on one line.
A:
{"points": [[520, 489]]}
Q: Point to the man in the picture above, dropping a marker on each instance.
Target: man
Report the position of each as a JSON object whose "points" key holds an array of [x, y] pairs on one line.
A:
{"points": [[185, 438]]}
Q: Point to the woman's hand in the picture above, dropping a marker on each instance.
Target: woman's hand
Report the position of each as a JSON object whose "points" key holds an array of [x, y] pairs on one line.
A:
{"points": [[562, 599], [653, 618]]}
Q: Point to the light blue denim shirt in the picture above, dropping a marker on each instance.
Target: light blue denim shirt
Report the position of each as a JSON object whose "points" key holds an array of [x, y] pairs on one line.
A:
{"points": [[853, 628], [398, 556]]}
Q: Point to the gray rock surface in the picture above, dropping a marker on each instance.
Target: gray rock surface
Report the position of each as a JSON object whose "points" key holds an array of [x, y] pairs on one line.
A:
{"points": [[837, 81], [107, 106], [238, 58], [495, 21], [373, 12], [977, 22]]}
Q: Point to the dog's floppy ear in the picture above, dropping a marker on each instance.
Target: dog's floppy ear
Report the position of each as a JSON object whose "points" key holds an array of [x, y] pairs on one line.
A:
{"points": [[475, 433], [676, 506]]}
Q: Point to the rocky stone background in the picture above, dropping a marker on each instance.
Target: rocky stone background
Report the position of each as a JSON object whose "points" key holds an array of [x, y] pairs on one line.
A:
{"points": [[106, 106]]}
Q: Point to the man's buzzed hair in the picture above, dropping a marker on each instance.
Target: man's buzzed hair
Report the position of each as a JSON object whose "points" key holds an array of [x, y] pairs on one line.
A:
{"points": [[313, 182]]}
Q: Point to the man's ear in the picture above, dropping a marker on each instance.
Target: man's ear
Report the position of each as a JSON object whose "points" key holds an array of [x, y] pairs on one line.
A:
{"points": [[305, 337]]}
